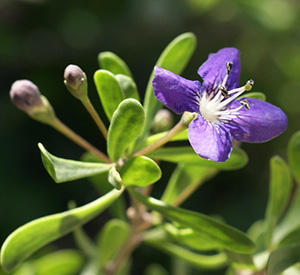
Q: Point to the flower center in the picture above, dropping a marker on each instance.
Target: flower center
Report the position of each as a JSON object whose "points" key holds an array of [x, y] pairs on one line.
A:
{"points": [[212, 106]]}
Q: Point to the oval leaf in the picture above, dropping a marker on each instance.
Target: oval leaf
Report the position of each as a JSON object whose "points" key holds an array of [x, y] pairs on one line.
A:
{"points": [[126, 126], [140, 171], [63, 262], [113, 236], [109, 91], [283, 258], [226, 236], [155, 269], [62, 170], [198, 260], [174, 58], [237, 160], [184, 181], [256, 95], [290, 221], [294, 155], [30, 237], [280, 189], [111, 62], [128, 86]]}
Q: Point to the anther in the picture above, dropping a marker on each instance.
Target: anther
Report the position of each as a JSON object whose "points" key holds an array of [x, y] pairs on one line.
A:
{"points": [[223, 91], [229, 67], [249, 85], [245, 103]]}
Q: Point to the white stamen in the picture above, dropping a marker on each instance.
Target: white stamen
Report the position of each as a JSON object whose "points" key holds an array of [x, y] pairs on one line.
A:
{"points": [[212, 106]]}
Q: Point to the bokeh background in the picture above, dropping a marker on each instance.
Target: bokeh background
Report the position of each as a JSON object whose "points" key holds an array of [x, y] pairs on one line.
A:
{"points": [[39, 38]]}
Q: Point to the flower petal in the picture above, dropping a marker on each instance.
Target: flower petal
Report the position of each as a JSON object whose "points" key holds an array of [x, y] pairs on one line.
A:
{"points": [[213, 70], [262, 122], [176, 92], [209, 140]]}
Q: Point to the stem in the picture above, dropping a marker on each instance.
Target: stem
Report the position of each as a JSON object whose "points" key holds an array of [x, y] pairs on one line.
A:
{"points": [[90, 108], [179, 127], [140, 221], [65, 130]]}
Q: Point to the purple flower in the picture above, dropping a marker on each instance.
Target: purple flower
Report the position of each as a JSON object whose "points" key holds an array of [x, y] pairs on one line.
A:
{"points": [[222, 115]]}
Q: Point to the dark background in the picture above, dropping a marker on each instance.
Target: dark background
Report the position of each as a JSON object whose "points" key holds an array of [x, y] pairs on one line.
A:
{"points": [[39, 38]]}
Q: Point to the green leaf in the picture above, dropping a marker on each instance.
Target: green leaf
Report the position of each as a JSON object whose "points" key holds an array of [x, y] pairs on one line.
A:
{"points": [[109, 91], [256, 95], [24, 269], [291, 238], [226, 236], [290, 221], [62, 170], [63, 262], [240, 261], [155, 269], [191, 238], [198, 260], [294, 155], [174, 58], [283, 258], [184, 181], [101, 184], [112, 237], [30, 237], [186, 154], [140, 171], [280, 189], [126, 126], [128, 86], [111, 62]]}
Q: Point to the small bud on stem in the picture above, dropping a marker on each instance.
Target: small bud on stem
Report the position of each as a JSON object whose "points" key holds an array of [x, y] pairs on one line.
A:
{"points": [[26, 96], [163, 121], [76, 81]]}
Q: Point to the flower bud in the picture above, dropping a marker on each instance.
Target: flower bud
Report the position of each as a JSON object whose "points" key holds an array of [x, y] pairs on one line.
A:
{"points": [[76, 81], [114, 178], [163, 121], [27, 97]]}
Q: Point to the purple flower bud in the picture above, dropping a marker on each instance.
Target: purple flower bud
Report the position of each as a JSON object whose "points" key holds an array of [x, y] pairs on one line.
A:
{"points": [[25, 95], [75, 81]]}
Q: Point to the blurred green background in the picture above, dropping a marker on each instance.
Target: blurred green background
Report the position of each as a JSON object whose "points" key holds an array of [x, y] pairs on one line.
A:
{"points": [[39, 38]]}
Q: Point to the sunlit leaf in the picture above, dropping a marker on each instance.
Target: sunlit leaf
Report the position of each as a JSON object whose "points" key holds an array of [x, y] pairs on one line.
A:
{"points": [[30, 237], [62, 170], [226, 236], [155, 269], [111, 62], [63, 262], [256, 95], [140, 171], [126, 126], [128, 86], [174, 58], [283, 258], [294, 155], [109, 91], [112, 237], [186, 154], [196, 259], [184, 181], [280, 188]]}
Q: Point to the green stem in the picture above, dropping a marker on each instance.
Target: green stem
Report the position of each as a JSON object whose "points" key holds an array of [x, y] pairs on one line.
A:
{"points": [[179, 127], [65, 130], [90, 108]]}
